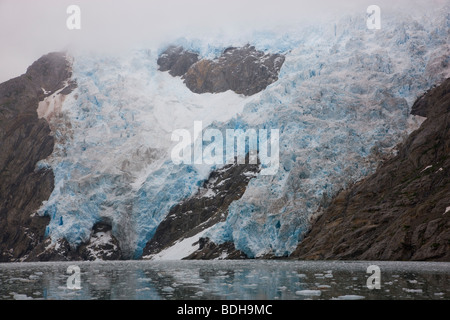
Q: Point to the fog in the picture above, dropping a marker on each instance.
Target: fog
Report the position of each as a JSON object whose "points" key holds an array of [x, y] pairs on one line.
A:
{"points": [[31, 28]]}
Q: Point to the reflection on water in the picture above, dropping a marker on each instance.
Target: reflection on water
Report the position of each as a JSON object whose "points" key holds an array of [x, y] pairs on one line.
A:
{"points": [[211, 280]]}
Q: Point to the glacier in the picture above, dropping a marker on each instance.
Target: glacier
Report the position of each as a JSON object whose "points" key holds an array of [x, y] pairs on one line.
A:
{"points": [[341, 104]]}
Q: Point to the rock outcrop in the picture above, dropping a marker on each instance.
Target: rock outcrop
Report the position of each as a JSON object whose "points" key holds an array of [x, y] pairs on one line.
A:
{"points": [[243, 70], [176, 60], [206, 208], [402, 212], [25, 139], [208, 250], [102, 245]]}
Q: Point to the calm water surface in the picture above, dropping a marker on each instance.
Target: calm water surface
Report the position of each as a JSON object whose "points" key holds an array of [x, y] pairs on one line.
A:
{"points": [[225, 280]]}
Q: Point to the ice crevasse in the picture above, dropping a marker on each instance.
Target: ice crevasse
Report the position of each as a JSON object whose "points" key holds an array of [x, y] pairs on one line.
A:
{"points": [[342, 100]]}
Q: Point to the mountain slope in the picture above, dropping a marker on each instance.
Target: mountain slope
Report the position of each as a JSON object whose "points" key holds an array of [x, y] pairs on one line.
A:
{"points": [[340, 102], [402, 212], [26, 139]]}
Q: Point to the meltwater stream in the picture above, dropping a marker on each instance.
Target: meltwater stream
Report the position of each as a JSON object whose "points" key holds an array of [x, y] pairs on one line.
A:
{"points": [[225, 280]]}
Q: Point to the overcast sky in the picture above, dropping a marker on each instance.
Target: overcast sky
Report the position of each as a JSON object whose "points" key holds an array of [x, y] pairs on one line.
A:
{"points": [[31, 28]]}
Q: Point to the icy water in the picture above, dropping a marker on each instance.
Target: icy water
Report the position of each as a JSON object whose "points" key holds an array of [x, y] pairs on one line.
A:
{"points": [[225, 280]]}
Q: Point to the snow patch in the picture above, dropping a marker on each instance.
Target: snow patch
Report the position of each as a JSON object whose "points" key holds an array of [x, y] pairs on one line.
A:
{"points": [[426, 168], [179, 250], [51, 106], [45, 91]]}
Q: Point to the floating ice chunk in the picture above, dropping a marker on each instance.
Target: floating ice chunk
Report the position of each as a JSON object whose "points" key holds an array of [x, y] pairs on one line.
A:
{"points": [[19, 296], [323, 286], [350, 297], [168, 289], [143, 289], [315, 293], [412, 290]]}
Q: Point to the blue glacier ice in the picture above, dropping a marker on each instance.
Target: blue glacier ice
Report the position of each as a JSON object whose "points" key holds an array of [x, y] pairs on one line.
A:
{"points": [[342, 101]]}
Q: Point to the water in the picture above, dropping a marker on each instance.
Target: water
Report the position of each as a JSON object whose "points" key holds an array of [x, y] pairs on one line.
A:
{"points": [[224, 280]]}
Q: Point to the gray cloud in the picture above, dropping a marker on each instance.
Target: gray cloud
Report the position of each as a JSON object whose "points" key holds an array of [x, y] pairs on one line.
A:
{"points": [[30, 28]]}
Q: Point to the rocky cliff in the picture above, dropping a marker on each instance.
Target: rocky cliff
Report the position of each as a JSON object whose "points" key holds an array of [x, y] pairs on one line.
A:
{"points": [[25, 139], [402, 212]]}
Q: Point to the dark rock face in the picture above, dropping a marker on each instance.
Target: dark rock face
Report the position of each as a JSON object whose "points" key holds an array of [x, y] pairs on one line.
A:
{"points": [[243, 70], [102, 245], [402, 211], [208, 207], [176, 60], [25, 140]]}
